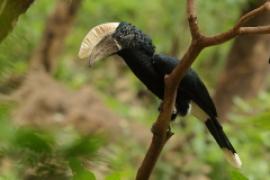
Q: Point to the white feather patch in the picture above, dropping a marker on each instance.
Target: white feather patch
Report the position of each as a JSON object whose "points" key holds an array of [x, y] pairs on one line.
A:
{"points": [[232, 158], [198, 112], [189, 108], [94, 36]]}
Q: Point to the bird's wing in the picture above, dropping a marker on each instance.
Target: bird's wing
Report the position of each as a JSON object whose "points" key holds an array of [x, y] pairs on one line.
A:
{"points": [[192, 89], [190, 86], [198, 93]]}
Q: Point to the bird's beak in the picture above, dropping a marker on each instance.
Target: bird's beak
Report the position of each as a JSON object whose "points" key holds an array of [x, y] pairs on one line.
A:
{"points": [[99, 43]]}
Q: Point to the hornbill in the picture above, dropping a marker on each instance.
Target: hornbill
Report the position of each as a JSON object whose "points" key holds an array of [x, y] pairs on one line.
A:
{"points": [[138, 52]]}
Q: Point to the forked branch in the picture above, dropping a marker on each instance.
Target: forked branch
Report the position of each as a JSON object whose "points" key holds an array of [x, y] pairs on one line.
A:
{"points": [[160, 129], [239, 28]]}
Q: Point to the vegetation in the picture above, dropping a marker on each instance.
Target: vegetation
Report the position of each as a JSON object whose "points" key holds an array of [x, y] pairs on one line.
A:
{"points": [[59, 130]]}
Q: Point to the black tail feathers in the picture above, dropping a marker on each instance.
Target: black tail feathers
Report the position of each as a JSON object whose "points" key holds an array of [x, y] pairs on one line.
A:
{"points": [[217, 132]]}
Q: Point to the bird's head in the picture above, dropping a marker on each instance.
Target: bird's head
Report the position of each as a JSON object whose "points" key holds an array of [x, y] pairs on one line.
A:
{"points": [[110, 38]]}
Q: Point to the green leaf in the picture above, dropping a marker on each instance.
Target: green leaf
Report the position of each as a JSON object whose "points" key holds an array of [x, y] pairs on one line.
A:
{"points": [[36, 141], [114, 176], [236, 175], [79, 172], [84, 175], [85, 146], [6, 130], [262, 120]]}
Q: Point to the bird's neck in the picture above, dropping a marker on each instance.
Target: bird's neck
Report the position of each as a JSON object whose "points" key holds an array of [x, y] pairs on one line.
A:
{"points": [[141, 65], [138, 62]]}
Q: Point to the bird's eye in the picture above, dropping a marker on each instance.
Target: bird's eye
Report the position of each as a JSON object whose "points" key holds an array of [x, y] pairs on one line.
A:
{"points": [[130, 36]]}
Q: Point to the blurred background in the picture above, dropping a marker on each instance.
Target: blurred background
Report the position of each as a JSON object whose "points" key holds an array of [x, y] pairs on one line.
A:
{"points": [[60, 119]]}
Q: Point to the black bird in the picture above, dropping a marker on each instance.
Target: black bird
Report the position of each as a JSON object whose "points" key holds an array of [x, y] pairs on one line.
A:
{"points": [[138, 52]]}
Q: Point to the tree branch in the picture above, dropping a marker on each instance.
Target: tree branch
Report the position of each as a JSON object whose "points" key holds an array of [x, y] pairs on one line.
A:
{"points": [[253, 13], [238, 29], [254, 30], [161, 128], [192, 20]]}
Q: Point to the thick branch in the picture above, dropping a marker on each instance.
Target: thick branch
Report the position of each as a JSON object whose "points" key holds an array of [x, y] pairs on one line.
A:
{"points": [[199, 42]]}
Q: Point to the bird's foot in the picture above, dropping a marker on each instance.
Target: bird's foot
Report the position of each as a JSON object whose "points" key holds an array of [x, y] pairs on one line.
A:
{"points": [[155, 130], [174, 112]]}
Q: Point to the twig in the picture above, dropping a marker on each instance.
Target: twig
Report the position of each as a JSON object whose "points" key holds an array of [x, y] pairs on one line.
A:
{"points": [[161, 132], [254, 30], [238, 29]]}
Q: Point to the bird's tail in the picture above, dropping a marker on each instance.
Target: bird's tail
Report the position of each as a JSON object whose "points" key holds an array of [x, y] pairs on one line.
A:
{"points": [[217, 132]]}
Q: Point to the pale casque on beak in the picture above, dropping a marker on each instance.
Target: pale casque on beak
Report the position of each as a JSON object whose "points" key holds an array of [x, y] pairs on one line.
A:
{"points": [[99, 43]]}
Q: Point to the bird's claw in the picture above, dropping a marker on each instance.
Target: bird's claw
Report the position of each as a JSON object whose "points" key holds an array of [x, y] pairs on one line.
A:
{"points": [[154, 130], [174, 112]]}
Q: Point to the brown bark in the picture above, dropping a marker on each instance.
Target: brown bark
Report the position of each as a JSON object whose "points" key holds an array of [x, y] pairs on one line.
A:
{"points": [[246, 67], [9, 14], [57, 28]]}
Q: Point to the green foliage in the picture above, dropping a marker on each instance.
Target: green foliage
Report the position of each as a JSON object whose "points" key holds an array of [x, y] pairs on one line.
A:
{"points": [[79, 171], [45, 151], [114, 176], [253, 132], [9, 13], [16, 49], [83, 147], [58, 153], [261, 121], [235, 175], [36, 141]]}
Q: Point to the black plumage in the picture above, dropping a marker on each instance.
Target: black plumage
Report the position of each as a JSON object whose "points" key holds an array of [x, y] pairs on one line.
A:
{"points": [[138, 51], [191, 87], [150, 68]]}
